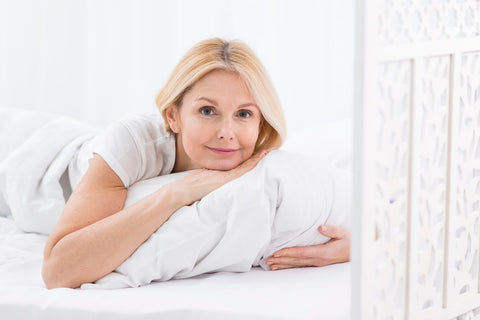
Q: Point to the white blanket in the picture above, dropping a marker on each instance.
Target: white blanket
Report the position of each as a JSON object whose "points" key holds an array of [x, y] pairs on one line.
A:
{"points": [[278, 204], [36, 149]]}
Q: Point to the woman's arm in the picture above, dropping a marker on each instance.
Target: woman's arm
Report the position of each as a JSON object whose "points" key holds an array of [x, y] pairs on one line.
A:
{"points": [[336, 250], [94, 235]]}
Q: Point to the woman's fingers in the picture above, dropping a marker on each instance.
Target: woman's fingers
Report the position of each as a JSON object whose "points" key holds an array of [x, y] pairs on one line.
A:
{"points": [[226, 176], [199, 183], [248, 164], [334, 251], [334, 232], [296, 257]]}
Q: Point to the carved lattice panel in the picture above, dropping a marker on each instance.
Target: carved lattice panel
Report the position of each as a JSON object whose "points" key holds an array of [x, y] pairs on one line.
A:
{"points": [[465, 190], [471, 315], [390, 194], [404, 22], [418, 131], [429, 175]]}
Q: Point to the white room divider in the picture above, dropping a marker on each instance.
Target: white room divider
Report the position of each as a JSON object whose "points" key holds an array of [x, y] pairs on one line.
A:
{"points": [[417, 171]]}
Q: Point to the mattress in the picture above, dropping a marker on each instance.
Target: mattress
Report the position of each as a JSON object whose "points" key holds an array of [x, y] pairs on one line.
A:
{"points": [[305, 293]]}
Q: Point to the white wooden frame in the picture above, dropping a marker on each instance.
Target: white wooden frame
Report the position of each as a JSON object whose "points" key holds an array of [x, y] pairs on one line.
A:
{"points": [[416, 235]]}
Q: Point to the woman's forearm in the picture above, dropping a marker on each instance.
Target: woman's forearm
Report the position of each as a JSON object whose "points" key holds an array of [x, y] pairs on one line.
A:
{"points": [[89, 253], [93, 237]]}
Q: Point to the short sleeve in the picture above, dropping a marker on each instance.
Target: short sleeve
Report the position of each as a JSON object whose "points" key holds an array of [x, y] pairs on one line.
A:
{"points": [[137, 147]]}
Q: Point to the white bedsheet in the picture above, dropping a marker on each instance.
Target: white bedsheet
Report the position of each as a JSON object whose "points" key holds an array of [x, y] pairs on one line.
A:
{"points": [[308, 293]]}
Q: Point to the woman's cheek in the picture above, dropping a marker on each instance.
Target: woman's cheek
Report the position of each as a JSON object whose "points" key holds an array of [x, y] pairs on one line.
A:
{"points": [[254, 133]]}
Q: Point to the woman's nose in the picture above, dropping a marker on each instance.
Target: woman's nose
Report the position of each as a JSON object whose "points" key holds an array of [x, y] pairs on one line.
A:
{"points": [[226, 132]]}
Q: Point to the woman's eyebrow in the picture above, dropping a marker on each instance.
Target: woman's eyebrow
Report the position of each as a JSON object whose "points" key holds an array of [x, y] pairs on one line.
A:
{"points": [[211, 101], [215, 103], [248, 104]]}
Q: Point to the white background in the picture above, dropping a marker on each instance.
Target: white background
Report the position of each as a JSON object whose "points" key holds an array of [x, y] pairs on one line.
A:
{"points": [[98, 60]]}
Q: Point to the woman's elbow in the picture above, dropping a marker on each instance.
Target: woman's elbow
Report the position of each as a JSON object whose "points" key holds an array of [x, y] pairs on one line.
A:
{"points": [[52, 276], [49, 279]]}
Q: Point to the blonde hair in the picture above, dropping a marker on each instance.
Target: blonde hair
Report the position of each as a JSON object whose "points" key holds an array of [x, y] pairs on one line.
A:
{"points": [[231, 56]]}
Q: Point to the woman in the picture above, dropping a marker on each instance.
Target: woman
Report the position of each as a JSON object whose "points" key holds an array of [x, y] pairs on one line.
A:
{"points": [[220, 115]]}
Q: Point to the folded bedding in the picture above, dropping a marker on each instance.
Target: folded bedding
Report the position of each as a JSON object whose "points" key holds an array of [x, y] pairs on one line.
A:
{"points": [[280, 203]]}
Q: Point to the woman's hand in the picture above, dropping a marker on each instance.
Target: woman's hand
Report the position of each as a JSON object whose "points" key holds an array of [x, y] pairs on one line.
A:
{"points": [[334, 251], [201, 182]]}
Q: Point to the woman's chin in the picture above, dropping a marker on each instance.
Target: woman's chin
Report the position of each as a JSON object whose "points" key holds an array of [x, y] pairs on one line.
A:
{"points": [[221, 168], [222, 165]]}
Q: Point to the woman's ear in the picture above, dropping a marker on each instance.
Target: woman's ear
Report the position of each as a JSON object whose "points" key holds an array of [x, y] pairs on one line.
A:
{"points": [[260, 125], [173, 118]]}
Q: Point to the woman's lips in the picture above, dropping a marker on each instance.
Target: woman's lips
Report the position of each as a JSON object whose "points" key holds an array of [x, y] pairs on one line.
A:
{"points": [[222, 151]]}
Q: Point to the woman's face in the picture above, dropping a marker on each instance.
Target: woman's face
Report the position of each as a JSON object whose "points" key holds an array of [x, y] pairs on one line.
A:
{"points": [[217, 124]]}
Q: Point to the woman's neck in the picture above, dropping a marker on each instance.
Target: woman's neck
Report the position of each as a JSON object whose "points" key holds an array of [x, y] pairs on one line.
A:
{"points": [[182, 160]]}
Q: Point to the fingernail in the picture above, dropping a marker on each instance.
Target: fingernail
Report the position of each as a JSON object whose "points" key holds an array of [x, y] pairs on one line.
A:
{"points": [[276, 255], [324, 228], [269, 262], [274, 268]]}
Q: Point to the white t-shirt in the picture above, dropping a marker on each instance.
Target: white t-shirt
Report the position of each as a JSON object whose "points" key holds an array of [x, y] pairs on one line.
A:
{"points": [[137, 147]]}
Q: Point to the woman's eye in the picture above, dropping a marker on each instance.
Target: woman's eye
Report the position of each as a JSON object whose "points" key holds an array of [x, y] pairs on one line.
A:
{"points": [[206, 111], [244, 114]]}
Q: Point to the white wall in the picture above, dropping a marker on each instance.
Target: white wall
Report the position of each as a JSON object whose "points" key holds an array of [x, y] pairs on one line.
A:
{"points": [[98, 59]]}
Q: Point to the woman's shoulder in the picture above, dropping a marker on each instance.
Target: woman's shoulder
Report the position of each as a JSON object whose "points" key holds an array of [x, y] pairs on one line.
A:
{"points": [[146, 125], [137, 147], [139, 128]]}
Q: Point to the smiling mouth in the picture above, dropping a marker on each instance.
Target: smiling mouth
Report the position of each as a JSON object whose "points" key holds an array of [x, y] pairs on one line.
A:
{"points": [[222, 151]]}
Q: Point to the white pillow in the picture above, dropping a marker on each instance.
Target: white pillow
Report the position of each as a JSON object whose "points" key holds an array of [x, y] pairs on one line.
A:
{"points": [[280, 203], [330, 142]]}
